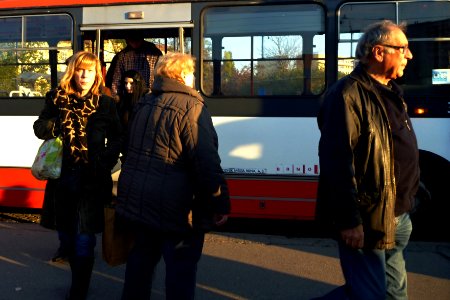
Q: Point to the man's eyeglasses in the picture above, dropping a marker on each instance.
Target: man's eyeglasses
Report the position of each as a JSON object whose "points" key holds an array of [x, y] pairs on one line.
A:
{"points": [[402, 49]]}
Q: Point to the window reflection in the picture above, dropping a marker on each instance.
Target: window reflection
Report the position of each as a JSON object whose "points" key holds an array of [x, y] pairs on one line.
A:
{"points": [[264, 51]]}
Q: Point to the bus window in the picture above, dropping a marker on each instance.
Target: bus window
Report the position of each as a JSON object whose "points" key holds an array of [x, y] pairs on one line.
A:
{"points": [[354, 18], [429, 40], [427, 75], [34, 49], [263, 50]]}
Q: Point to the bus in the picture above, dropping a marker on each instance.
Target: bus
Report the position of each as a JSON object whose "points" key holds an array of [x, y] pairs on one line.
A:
{"points": [[263, 68]]}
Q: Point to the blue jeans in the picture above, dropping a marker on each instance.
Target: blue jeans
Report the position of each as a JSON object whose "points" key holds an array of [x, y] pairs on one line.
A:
{"points": [[396, 276], [372, 274], [78, 244], [181, 254]]}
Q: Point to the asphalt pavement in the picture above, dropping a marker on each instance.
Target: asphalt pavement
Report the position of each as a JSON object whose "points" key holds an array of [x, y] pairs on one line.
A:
{"points": [[233, 266]]}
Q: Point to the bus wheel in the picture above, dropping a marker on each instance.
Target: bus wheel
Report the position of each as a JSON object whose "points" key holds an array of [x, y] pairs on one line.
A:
{"points": [[431, 215]]}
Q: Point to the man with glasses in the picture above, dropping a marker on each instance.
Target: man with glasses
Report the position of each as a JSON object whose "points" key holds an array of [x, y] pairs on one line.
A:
{"points": [[369, 168]]}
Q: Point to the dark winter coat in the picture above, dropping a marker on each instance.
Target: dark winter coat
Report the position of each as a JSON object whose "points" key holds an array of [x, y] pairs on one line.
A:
{"points": [[75, 201], [357, 182], [172, 164]]}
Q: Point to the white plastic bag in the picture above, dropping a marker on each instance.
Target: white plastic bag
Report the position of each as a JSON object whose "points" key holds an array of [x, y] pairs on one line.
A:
{"points": [[48, 161]]}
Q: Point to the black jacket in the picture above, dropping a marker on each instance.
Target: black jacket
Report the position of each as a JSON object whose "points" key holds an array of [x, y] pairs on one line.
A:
{"points": [[357, 182], [172, 164], [77, 198]]}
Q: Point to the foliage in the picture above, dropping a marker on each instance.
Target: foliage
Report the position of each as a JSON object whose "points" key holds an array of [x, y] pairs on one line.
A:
{"points": [[27, 72], [24, 70], [207, 76], [8, 74]]}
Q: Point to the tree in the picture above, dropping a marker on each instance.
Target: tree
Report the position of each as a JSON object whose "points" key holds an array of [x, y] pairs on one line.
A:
{"points": [[207, 68], [229, 75], [8, 72], [26, 70], [279, 73], [35, 62]]}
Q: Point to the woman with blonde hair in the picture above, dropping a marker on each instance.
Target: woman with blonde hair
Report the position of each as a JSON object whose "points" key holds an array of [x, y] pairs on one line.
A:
{"points": [[90, 129], [172, 168]]}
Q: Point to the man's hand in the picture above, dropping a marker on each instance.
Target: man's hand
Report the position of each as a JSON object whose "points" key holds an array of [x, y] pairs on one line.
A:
{"points": [[353, 237], [220, 219]]}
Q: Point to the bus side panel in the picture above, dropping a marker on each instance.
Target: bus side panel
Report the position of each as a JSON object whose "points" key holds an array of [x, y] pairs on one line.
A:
{"points": [[273, 199], [20, 189]]}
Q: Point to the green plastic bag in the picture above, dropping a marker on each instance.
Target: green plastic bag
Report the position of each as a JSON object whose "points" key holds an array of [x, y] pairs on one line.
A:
{"points": [[48, 161]]}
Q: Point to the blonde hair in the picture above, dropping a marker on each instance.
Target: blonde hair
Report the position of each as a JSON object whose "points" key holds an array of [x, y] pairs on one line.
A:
{"points": [[82, 60], [174, 65]]}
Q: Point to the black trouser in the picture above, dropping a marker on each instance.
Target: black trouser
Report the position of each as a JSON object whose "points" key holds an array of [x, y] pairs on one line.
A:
{"points": [[81, 268], [181, 255], [81, 258]]}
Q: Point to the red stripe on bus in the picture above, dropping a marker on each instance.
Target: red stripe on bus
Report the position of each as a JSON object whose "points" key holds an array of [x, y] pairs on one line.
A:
{"points": [[250, 198], [273, 198], [18, 188]]}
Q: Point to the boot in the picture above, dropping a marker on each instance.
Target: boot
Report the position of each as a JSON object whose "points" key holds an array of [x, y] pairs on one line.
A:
{"points": [[81, 277]]}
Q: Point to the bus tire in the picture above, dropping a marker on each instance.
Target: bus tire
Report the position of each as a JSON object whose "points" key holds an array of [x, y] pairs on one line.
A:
{"points": [[431, 215]]}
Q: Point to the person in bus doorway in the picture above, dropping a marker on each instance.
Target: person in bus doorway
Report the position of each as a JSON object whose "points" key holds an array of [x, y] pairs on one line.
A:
{"points": [[172, 167], [90, 129], [133, 88], [369, 167], [139, 55]]}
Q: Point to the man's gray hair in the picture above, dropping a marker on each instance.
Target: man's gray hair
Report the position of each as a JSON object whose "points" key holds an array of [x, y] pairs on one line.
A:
{"points": [[376, 34]]}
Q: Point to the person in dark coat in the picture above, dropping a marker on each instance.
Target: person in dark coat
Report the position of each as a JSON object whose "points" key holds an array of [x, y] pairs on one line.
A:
{"points": [[133, 88], [172, 167], [90, 129]]}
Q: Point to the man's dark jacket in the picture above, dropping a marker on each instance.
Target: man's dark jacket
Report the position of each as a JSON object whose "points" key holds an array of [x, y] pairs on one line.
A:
{"points": [[172, 164], [357, 182]]}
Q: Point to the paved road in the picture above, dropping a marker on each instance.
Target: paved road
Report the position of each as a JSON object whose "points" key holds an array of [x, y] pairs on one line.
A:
{"points": [[234, 266]]}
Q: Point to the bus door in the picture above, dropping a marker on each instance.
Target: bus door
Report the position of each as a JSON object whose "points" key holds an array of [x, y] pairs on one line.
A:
{"points": [[104, 29]]}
